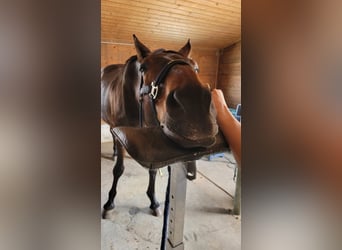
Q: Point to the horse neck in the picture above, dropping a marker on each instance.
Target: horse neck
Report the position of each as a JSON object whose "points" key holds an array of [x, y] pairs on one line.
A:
{"points": [[130, 90], [131, 76]]}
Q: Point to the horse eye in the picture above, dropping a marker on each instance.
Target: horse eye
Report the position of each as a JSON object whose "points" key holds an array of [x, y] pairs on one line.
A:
{"points": [[142, 68], [196, 69]]}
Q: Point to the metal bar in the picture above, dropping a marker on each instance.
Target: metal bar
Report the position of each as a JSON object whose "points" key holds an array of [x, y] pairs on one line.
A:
{"points": [[237, 197], [177, 206]]}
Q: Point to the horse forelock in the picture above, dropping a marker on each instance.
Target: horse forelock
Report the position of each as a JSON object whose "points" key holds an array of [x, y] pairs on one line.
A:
{"points": [[173, 52], [160, 51]]}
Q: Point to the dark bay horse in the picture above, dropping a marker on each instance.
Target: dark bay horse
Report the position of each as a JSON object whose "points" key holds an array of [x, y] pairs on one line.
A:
{"points": [[159, 88]]}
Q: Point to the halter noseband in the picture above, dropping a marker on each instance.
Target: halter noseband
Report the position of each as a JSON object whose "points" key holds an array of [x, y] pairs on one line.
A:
{"points": [[153, 88]]}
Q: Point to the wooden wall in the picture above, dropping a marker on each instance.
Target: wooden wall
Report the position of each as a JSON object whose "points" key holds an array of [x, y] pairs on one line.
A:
{"points": [[229, 74], [206, 58], [114, 54]]}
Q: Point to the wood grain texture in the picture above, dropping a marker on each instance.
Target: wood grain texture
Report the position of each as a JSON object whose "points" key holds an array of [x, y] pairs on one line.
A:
{"points": [[209, 23], [229, 74]]}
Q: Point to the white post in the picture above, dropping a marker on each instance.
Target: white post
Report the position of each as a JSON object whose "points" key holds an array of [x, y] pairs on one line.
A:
{"points": [[177, 206]]}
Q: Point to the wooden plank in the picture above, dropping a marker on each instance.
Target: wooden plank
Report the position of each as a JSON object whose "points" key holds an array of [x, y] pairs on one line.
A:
{"points": [[180, 7], [117, 21], [169, 29], [200, 43], [236, 79], [177, 39], [158, 34], [169, 44], [210, 23], [161, 30], [200, 6], [141, 9], [213, 32], [229, 78], [167, 37]]}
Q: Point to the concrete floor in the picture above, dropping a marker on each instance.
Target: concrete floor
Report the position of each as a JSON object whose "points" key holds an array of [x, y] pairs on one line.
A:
{"points": [[208, 224]]}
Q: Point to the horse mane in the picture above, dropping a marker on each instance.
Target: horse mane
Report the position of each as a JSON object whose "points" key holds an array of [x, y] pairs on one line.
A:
{"points": [[110, 68], [131, 59]]}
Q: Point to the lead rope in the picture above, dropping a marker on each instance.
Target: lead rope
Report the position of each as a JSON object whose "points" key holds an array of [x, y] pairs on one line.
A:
{"points": [[166, 212]]}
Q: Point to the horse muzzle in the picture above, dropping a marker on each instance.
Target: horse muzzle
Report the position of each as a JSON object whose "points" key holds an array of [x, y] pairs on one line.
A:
{"points": [[190, 118], [191, 139]]}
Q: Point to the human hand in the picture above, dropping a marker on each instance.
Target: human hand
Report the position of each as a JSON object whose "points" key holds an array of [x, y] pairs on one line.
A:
{"points": [[229, 126], [219, 102]]}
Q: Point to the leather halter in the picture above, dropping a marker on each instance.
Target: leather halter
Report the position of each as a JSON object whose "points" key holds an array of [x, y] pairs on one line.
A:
{"points": [[152, 89]]}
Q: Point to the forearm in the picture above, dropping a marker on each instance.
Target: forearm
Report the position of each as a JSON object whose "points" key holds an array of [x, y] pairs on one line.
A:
{"points": [[231, 130]]}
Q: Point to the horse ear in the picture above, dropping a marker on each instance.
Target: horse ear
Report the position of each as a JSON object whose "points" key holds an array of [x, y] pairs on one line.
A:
{"points": [[142, 50], [185, 51]]}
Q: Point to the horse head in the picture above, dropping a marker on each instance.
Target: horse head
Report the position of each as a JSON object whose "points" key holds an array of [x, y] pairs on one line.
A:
{"points": [[182, 102]]}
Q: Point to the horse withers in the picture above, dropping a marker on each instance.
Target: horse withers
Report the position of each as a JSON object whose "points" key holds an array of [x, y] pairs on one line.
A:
{"points": [[159, 88]]}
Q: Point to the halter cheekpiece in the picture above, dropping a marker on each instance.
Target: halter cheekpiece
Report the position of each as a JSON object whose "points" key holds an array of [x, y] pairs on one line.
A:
{"points": [[153, 88]]}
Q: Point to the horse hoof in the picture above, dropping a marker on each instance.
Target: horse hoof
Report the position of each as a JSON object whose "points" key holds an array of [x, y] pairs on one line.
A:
{"points": [[107, 214], [156, 212], [108, 206]]}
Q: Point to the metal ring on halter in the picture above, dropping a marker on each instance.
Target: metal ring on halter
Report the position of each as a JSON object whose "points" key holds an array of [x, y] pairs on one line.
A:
{"points": [[154, 90]]}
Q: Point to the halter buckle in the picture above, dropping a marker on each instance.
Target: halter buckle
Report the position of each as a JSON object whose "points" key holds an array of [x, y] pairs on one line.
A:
{"points": [[154, 90]]}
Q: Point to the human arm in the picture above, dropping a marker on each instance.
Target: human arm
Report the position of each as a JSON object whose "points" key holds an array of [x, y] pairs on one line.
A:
{"points": [[230, 127]]}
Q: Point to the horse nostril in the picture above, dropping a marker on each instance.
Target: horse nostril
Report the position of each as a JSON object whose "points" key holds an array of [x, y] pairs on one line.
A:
{"points": [[172, 99], [176, 97]]}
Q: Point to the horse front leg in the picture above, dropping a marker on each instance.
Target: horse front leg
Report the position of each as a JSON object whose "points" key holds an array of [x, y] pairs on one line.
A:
{"points": [[117, 172], [115, 142], [151, 193]]}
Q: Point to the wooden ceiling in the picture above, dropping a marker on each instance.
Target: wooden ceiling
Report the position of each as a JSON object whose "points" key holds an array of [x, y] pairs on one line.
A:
{"points": [[208, 23]]}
